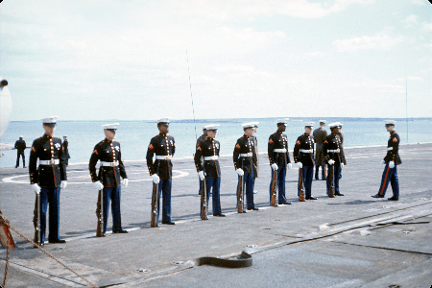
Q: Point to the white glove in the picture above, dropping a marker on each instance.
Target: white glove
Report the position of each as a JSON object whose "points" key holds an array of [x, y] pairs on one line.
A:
{"points": [[274, 166], [331, 162], [156, 178], [289, 165], [391, 164], [98, 185], [382, 162], [63, 184], [35, 187], [201, 175], [300, 164], [240, 172], [125, 182], [342, 165]]}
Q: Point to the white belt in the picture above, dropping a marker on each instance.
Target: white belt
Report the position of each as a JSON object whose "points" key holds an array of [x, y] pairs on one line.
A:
{"points": [[306, 151], [280, 150], [160, 157], [333, 151], [209, 158], [49, 162], [110, 164], [246, 154], [389, 148]]}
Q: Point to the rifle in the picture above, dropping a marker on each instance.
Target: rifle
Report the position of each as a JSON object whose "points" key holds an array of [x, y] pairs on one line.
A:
{"points": [[203, 200], [37, 221], [154, 206], [99, 215], [332, 184], [240, 195], [301, 186], [273, 190]]}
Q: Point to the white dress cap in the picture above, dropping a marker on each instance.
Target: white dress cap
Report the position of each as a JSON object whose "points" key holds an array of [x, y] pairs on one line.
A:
{"points": [[282, 121], [339, 125], [211, 127], [390, 122], [50, 120], [165, 120], [112, 126], [249, 125], [322, 121], [333, 125], [308, 124]]}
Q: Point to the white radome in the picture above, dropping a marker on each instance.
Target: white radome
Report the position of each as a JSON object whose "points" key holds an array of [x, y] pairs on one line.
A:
{"points": [[5, 106]]}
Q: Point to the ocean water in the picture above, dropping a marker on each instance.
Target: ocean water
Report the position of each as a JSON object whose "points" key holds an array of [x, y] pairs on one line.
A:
{"points": [[134, 136]]}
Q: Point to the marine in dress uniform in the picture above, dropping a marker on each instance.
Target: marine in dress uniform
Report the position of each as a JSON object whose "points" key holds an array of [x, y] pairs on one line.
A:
{"points": [[208, 168], [279, 158], [303, 156], [111, 169], [255, 159], [66, 149], [319, 136], [48, 178], [162, 146], [391, 160], [199, 140], [20, 145], [342, 136], [332, 156], [243, 162]]}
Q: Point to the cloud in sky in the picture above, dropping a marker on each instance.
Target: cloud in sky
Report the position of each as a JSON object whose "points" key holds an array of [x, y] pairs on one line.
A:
{"points": [[380, 41], [128, 58]]}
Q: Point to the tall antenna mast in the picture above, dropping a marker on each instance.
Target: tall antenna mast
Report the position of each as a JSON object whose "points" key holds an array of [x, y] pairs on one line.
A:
{"points": [[406, 102], [190, 86]]}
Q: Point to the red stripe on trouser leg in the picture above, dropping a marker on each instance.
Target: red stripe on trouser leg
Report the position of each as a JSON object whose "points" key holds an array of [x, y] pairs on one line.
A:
{"points": [[385, 181]]}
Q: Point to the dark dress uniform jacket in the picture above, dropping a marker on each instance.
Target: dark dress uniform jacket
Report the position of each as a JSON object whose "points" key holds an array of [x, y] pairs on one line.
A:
{"points": [[48, 176], [319, 136], [393, 149], [278, 141], [244, 145], [255, 157], [65, 149], [107, 151], [208, 147], [161, 145], [341, 135], [333, 142], [305, 142], [20, 145]]}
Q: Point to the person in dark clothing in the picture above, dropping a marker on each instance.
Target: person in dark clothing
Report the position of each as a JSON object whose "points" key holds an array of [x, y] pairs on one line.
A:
{"points": [[20, 145]]}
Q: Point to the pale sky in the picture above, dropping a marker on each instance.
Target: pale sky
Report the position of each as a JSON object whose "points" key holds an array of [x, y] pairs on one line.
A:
{"points": [[99, 60]]}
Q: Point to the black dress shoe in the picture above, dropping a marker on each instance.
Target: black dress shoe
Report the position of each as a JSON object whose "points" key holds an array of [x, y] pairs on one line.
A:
{"points": [[120, 231], [339, 194], [286, 203], [57, 241], [168, 222], [222, 215], [253, 208], [393, 198], [377, 196], [311, 198]]}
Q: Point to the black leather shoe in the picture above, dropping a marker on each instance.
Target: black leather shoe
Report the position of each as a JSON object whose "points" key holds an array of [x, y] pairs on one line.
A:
{"points": [[57, 241], [120, 231], [393, 198], [311, 198], [339, 194], [168, 222], [377, 196], [222, 215], [285, 203]]}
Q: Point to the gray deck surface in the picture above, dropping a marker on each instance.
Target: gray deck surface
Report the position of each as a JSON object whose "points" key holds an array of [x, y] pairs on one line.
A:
{"points": [[350, 241]]}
